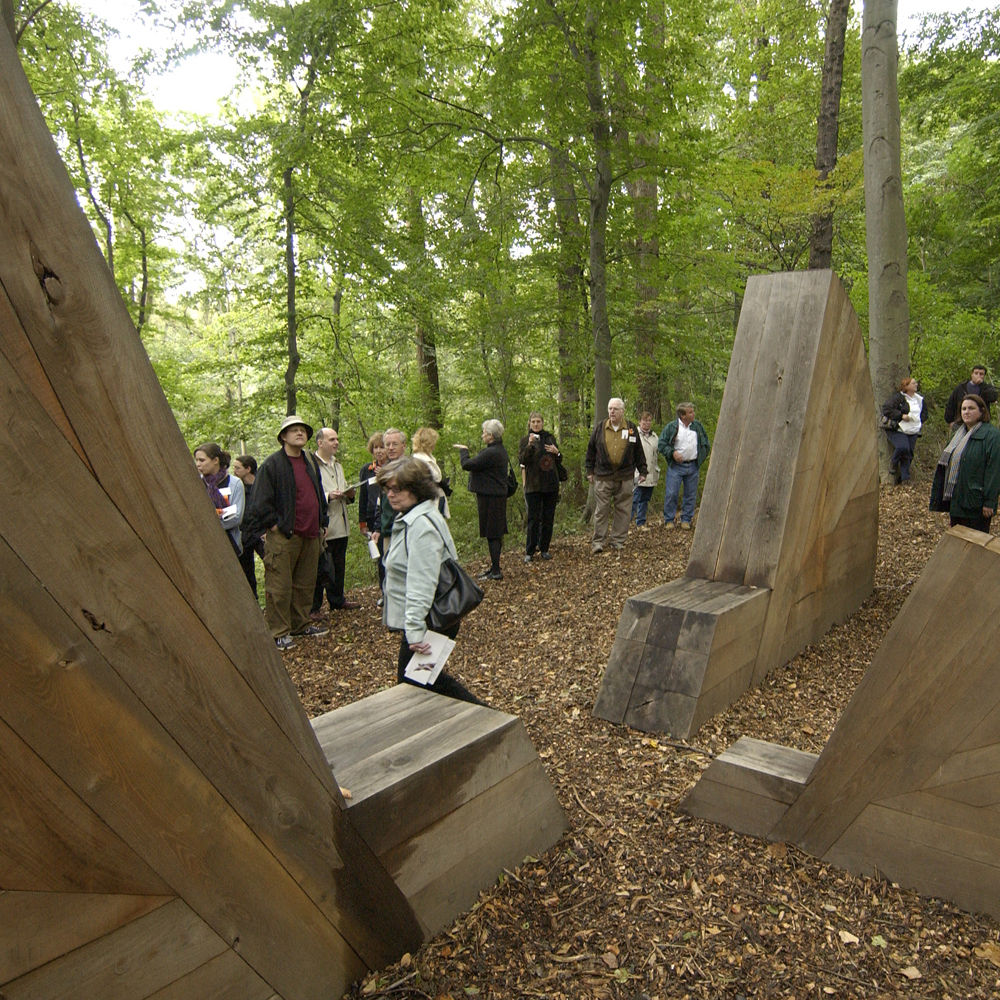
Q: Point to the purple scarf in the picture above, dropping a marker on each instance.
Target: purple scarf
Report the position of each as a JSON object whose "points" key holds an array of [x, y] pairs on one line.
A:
{"points": [[212, 484]]}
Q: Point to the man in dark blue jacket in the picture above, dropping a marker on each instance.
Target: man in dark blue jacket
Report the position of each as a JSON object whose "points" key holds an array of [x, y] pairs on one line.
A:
{"points": [[289, 509]]}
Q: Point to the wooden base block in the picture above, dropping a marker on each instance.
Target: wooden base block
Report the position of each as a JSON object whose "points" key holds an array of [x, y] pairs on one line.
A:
{"points": [[683, 651], [446, 793], [750, 786]]}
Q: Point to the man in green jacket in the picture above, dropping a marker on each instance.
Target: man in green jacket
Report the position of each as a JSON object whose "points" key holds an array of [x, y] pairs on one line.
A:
{"points": [[685, 445]]}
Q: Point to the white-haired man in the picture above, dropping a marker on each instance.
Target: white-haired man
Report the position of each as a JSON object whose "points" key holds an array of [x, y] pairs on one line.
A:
{"points": [[614, 454]]}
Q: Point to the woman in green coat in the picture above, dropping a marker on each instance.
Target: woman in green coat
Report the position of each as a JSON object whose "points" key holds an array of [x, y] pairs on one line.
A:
{"points": [[967, 478]]}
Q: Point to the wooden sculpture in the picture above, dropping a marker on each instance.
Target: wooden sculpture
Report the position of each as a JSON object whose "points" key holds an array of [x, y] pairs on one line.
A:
{"points": [[786, 535], [907, 784], [170, 826]]}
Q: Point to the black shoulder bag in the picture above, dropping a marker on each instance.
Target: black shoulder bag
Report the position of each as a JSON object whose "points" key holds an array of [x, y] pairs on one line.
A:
{"points": [[457, 593], [511, 480]]}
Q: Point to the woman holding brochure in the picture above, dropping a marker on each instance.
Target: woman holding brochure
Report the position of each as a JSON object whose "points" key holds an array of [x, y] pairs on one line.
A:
{"points": [[421, 541], [225, 491]]}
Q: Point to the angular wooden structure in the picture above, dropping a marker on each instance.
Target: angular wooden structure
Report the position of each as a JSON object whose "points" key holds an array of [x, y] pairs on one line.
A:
{"points": [[170, 826], [908, 783], [447, 794], [787, 531]]}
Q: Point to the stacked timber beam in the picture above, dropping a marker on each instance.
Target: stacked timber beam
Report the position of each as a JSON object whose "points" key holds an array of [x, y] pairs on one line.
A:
{"points": [[446, 793], [787, 531], [907, 785]]}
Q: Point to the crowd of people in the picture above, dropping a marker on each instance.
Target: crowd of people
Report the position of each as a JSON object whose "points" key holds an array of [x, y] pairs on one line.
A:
{"points": [[292, 509]]}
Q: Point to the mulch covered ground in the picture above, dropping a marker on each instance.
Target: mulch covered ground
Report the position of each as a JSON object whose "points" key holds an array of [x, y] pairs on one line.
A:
{"points": [[638, 899]]}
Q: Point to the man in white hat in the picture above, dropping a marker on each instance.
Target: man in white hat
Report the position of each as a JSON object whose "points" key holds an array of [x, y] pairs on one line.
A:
{"points": [[289, 509]]}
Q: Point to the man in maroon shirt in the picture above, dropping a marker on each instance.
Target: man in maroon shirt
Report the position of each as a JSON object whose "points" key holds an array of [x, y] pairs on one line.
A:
{"points": [[289, 508]]}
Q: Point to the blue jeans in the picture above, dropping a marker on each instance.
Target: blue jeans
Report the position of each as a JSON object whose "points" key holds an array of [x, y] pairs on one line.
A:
{"points": [[683, 474], [640, 501]]}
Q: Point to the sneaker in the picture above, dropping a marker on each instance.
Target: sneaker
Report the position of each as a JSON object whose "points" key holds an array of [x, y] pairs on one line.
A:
{"points": [[616, 547], [527, 559], [347, 606], [685, 525], [380, 602], [284, 642], [546, 556], [313, 630], [643, 527], [595, 548], [669, 525], [494, 574]]}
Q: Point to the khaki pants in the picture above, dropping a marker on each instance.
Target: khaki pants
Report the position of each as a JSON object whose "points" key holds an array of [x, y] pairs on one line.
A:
{"points": [[613, 502], [289, 580]]}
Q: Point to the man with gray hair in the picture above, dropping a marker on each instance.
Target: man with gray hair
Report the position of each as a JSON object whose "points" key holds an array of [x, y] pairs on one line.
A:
{"points": [[614, 454], [685, 445]]}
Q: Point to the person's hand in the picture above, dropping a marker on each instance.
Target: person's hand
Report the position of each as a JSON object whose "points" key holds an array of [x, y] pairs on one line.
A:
{"points": [[642, 479], [334, 494], [420, 647], [678, 457], [273, 527], [376, 535], [590, 477], [987, 512], [461, 447], [363, 528], [552, 449], [349, 493]]}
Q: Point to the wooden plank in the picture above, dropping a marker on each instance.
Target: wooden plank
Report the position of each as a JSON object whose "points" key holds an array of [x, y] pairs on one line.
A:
{"points": [[194, 691], [744, 501], [71, 313], [615, 691], [963, 765], [895, 845], [51, 841], [38, 927], [743, 811], [653, 710], [720, 696], [763, 768], [443, 869], [347, 747], [225, 977], [127, 964], [788, 420], [731, 429], [417, 783], [62, 699]]}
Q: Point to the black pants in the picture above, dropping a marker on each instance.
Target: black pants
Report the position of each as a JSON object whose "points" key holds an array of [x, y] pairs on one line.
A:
{"points": [[246, 561], [445, 684], [976, 523], [330, 575], [541, 515]]}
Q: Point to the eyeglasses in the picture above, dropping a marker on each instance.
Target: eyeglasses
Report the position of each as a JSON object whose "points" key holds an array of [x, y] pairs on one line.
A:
{"points": [[394, 489]]}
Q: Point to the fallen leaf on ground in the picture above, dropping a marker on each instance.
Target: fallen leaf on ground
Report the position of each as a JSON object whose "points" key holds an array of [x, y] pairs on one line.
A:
{"points": [[989, 950], [911, 972]]}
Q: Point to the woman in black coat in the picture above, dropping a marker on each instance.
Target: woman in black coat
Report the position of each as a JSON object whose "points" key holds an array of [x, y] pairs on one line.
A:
{"points": [[488, 480], [908, 411], [540, 460]]}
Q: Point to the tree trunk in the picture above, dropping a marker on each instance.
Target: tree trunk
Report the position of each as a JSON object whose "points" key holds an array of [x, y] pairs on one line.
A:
{"points": [[569, 278], [828, 127], [647, 291], [426, 347], [7, 10], [885, 221], [291, 400]]}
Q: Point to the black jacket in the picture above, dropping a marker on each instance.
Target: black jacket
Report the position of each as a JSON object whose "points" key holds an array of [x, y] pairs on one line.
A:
{"points": [[986, 392], [487, 470], [599, 464], [368, 509], [541, 468], [273, 501], [898, 405]]}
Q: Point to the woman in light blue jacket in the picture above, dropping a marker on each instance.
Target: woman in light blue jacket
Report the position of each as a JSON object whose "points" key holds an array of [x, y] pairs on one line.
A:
{"points": [[421, 542]]}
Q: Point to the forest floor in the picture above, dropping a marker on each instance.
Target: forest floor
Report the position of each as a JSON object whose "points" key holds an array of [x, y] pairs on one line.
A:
{"points": [[638, 899]]}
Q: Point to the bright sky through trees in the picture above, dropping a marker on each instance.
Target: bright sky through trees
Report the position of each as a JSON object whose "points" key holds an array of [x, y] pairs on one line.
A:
{"points": [[204, 79]]}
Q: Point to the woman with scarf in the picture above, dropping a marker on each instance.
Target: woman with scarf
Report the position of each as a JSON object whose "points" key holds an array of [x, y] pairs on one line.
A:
{"points": [[967, 478], [541, 464], [224, 491]]}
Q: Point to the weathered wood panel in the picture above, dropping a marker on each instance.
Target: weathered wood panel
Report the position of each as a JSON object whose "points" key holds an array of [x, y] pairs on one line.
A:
{"points": [[50, 841], [225, 977], [790, 508], [38, 927], [127, 964]]}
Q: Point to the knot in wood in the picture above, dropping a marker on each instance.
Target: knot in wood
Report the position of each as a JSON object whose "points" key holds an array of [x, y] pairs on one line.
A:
{"points": [[53, 290]]}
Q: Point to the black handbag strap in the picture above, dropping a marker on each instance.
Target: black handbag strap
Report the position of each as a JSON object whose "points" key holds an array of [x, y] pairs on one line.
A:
{"points": [[406, 539]]}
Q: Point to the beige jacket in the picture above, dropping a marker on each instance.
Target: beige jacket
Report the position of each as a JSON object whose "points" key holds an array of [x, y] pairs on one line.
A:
{"points": [[332, 475]]}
